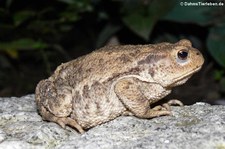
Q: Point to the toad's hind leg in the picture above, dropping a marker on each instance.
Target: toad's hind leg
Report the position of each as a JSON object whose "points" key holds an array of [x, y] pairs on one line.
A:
{"points": [[62, 121], [55, 104]]}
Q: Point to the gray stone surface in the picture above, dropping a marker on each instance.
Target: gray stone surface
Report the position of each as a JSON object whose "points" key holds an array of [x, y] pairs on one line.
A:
{"points": [[200, 126]]}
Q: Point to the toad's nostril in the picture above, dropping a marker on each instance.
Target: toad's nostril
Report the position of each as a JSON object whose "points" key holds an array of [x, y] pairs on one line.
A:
{"points": [[197, 53]]}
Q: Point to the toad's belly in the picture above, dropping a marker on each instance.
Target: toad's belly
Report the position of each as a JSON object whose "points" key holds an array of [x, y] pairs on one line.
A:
{"points": [[95, 105], [96, 112]]}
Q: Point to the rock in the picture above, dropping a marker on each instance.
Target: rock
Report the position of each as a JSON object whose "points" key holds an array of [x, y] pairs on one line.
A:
{"points": [[197, 126]]}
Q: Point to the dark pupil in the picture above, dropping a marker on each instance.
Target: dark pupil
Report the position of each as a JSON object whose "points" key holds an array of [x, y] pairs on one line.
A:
{"points": [[182, 54]]}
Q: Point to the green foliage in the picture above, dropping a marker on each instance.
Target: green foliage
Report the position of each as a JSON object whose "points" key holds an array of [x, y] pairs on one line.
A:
{"points": [[22, 16], [218, 74], [106, 33], [75, 7], [12, 48], [141, 16], [191, 14], [216, 43]]}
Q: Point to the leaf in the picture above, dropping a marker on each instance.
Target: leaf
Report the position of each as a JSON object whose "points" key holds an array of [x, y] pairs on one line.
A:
{"points": [[141, 17], [67, 1], [140, 24], [20, 17], [71, 14], [23, 44], [80, 5], [218, 74], [12, 48], [106, 33], [8, 3], [186, 13], [216, 44], [12, 53], [68, 16]]}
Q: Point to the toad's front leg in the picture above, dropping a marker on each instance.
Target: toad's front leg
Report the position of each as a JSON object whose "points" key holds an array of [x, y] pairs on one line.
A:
{"points": [[137, 96]]}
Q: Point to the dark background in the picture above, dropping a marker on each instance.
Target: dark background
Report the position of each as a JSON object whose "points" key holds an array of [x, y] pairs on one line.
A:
{"points": [[37, 36]]}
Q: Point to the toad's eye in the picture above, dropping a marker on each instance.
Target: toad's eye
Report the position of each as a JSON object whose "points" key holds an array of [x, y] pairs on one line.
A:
{"points": [[182, 54]]}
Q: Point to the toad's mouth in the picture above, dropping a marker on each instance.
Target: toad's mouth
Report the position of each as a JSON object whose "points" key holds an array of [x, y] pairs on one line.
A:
{"points": [[182, 79]]}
